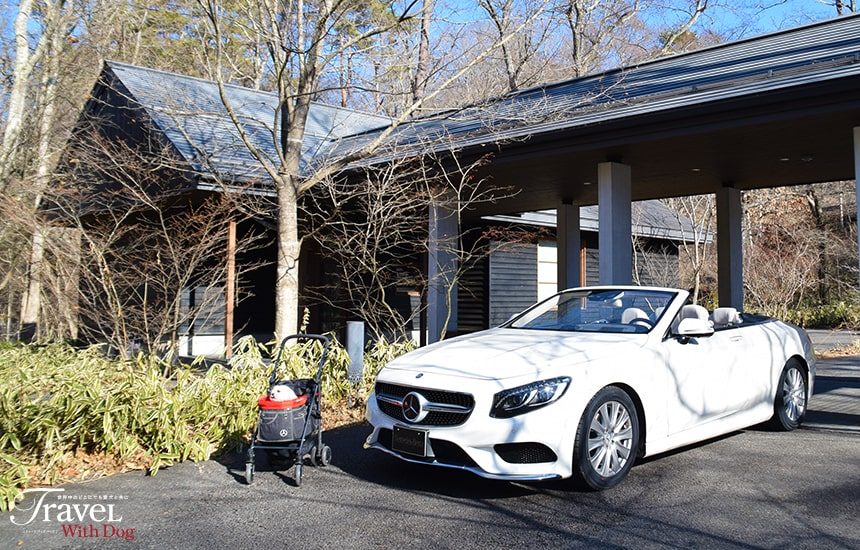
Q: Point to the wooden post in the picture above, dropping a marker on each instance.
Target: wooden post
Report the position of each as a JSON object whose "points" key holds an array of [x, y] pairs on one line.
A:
{"points": [[582, 269], [230, 296]]}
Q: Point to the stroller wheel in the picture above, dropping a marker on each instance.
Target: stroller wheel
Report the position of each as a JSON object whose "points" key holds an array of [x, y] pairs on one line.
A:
{"points": [[325, 456], [314, 455], [249, 473], [298, 475]]}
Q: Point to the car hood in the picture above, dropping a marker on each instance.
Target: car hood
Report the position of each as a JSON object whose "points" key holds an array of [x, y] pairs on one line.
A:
{"points": [[501, 353]]}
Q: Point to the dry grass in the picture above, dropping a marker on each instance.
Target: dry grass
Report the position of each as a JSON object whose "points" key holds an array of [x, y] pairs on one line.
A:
{"points": [[850, 350]]}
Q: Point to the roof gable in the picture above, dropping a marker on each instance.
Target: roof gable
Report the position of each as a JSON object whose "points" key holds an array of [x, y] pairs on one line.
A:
{"points": [[190, 113]]}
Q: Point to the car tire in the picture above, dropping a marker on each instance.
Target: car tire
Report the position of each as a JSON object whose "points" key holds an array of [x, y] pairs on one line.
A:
{"points": [[789, 404], [607, 440]]}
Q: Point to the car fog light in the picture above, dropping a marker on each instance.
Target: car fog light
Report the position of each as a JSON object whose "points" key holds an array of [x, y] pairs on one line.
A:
{"points": [[527, 398]]}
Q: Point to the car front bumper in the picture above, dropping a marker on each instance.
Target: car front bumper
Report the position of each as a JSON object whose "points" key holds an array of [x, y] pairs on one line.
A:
{"points": [[471, 446]]}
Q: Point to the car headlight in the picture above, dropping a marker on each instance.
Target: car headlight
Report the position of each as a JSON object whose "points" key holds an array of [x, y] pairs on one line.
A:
{"points": [[527, 398]]}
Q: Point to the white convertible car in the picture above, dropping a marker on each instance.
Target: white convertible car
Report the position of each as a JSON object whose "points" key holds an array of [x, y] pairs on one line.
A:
{"points": [[588, 380]]}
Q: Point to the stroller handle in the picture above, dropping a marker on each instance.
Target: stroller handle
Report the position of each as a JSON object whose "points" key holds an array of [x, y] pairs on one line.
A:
{"points": [[324, 340]]}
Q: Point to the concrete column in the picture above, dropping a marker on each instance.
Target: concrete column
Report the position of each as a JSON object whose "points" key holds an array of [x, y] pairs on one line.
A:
{"points": [[857, 177], [444, 238], [730, 270], [567, 245], [614, 224], [355, 350]]}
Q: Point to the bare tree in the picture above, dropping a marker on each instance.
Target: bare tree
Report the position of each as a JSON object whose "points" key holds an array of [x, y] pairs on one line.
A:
{"points": [[373, 228], [841, 6], [422, 67], [695, 251], [594, 26], [55, 21], [817, 250], [296, 37], [121, 201], [691, 11]]}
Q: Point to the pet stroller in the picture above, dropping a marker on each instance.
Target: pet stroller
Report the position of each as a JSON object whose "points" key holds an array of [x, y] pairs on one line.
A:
{"points": [[289, 423]]}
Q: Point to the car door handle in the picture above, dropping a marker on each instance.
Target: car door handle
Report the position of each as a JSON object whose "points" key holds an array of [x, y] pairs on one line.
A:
{"points": [[736, 338]]}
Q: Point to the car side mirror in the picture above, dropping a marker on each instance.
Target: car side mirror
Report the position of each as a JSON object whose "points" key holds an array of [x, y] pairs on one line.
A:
{"points": [[692, 328]]}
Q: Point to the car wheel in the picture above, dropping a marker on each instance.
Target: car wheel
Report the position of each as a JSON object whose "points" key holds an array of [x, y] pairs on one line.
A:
{"points": [[607, 440], [789, 406]]}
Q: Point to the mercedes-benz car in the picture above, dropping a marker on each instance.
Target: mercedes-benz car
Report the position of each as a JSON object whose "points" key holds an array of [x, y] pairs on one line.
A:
{"points": [[584, 383]]}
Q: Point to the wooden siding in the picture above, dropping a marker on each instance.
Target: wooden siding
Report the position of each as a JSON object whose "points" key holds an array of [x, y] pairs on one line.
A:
{"points": [[472, 298], [657, 264], [513, 280], [592, 266]]}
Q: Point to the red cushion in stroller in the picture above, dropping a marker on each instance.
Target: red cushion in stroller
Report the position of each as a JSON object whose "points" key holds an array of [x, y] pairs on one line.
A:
{"points": [[267, 404]]}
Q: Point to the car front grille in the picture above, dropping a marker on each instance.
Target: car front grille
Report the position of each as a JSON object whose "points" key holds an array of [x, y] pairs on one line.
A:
{"points": [[462, 404], [525, 453]]}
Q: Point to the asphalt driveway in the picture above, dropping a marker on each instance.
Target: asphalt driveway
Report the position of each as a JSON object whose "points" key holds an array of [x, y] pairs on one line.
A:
{"points": [[753, 488]]}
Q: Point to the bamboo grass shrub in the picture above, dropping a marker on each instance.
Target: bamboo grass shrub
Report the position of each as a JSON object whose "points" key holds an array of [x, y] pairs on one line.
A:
{"points": [[55, 400]]}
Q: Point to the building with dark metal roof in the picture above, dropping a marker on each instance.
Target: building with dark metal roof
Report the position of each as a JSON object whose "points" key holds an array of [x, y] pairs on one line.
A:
{"points": [[774, 110], [190, 113]]}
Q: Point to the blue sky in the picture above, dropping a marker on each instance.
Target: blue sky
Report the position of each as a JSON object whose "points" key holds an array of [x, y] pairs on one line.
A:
{"points": [[731, 18]]}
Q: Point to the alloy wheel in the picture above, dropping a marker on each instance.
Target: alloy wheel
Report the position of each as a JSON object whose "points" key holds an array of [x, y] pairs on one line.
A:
{"points": [[610, 438], [794, 394]]}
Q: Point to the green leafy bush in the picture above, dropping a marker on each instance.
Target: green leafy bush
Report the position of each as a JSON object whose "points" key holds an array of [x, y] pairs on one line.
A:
{"points": [[835, 315], [55, 400]]}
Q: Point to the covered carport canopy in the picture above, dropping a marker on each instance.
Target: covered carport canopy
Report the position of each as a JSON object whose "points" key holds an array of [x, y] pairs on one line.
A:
{"points": [[780, 109]]}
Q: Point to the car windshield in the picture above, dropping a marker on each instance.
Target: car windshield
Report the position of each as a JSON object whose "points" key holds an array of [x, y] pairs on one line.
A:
{"points": [[613, 310]]}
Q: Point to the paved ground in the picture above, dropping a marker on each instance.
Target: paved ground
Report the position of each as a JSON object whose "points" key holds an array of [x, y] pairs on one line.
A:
{"points": [[824, 340], [836, 405], [751, 489], [747, 490]]}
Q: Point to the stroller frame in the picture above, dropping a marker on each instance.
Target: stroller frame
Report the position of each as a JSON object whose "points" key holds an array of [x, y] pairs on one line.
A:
{"points": [[310, 444]]}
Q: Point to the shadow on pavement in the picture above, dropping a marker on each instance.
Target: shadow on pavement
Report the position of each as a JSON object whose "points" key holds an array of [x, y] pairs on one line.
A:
{"points": [[836, 402], [349, 456]]}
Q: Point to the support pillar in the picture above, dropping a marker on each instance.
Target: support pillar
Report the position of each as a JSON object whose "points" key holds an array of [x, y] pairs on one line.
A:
{"points": [[229, 290], [857, 180], [614, 223], [730, 270], [443, 243], [568, 239]]}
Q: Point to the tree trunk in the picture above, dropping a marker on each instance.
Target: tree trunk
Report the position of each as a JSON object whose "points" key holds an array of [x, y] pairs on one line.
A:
{"points": [[422, 70], [18, 95], [343, 75], [821, 243], [576, 23], [287, 284], [31, 302], [32, 297]]}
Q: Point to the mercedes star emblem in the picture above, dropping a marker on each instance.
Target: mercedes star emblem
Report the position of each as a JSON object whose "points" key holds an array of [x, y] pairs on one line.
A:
{"points": [[414, 407]]}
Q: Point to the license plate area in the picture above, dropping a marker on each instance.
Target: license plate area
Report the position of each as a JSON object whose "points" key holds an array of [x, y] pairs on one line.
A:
{"points": [[409, 441]]}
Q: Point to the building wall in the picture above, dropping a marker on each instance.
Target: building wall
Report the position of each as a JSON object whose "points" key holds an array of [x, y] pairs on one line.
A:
{"points": [[513, 280]]}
